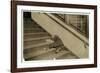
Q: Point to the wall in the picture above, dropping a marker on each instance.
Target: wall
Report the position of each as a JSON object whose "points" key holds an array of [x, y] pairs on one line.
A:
{"points": [[5, 37]]}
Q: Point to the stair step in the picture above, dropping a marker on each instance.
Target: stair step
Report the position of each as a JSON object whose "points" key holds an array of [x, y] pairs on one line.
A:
{"points": [[37, 38], [37, 45], [31, 29], [29, 22], [34, 31], [51, 55], [34, 49], [37, 53], [39, 33], [32, 26], [34, 42]]}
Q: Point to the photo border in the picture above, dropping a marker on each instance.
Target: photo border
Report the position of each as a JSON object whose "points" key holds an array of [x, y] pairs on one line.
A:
{"points": [[46, 4]]}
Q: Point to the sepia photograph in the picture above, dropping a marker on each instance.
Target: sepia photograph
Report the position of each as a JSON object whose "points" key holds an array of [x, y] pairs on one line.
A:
{"points": [[55, 36]]}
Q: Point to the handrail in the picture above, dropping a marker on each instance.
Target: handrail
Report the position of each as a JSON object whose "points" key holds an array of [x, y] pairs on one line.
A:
{"points": [[62, 24]]}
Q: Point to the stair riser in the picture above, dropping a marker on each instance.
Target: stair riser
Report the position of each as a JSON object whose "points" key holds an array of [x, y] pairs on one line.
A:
{"points": [[32, 50], [31, 27], [33, 31], [34, 42], [34, 46], [36, 36]]}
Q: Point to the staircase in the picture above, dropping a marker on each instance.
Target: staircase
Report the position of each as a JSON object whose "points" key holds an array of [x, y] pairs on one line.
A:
{"points": [[72, 39], [37, 41]]}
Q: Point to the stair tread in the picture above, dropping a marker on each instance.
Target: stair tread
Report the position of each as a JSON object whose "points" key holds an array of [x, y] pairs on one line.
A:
{"points": [[34, 42], [37, 45], [27, 22], [27, 29], [37, 38], [31, 25], [39, 52], [35, 33]]}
